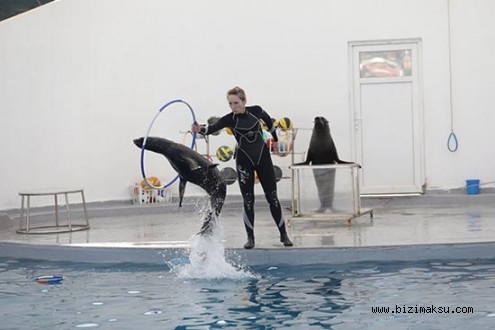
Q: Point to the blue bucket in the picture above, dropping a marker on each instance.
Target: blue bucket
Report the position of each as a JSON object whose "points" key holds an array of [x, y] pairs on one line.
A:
{"points": [[473, 187]]}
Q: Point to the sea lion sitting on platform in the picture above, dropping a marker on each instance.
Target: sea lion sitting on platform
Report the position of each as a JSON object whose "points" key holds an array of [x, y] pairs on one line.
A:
{"points": [[322, 150]]}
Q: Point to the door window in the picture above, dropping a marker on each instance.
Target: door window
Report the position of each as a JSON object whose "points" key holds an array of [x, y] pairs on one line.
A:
{"points": [[389, 63]]}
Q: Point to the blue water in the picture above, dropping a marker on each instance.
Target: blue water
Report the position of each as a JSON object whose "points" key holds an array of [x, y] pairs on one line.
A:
{"points": [[132, 296]]}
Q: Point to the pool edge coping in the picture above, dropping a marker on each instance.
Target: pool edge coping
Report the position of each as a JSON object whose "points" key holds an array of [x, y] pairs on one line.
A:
{"points": [[255, 257]]}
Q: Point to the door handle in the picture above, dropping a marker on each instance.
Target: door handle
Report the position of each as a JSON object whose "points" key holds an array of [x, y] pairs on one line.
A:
{"points": [[357, 122]]}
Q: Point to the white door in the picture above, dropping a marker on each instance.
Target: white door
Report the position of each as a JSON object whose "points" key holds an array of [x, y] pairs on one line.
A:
{"points": [[386, 110]]}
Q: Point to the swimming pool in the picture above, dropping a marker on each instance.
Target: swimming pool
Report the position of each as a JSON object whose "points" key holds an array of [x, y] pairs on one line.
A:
{"points": [[418, 295]]}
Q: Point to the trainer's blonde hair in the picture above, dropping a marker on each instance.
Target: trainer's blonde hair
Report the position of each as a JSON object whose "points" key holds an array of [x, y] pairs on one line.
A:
{"points": [[239, 92]]}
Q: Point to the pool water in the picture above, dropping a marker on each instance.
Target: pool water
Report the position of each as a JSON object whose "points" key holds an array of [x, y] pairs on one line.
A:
{"points": [[146, 296]]}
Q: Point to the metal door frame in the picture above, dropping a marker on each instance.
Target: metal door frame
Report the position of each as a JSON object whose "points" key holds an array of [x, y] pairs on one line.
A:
{"points": [[417, 80]]}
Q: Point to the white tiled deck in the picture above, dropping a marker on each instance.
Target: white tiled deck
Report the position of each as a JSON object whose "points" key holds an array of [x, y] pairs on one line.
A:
{"points": [[453, 226]]}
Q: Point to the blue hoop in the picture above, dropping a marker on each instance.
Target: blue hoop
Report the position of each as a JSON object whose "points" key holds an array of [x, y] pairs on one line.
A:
{"points": [[147, 134]]}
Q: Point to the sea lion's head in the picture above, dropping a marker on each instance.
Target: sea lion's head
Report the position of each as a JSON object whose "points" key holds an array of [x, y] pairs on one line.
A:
{"points": [[320, 123]]}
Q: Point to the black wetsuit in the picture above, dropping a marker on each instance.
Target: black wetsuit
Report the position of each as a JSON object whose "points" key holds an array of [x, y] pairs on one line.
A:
{"points": [[252, 154]]}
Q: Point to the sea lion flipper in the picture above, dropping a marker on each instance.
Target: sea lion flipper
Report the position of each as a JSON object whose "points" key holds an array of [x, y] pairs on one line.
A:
{"points": [[345, 162], [182, 189]]}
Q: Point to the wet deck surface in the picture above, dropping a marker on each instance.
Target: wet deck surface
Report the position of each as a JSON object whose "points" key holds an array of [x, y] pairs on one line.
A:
{"points": [[420, 224]]}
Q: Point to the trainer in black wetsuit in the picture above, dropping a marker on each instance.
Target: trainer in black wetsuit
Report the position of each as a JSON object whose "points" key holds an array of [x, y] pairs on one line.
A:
{"points": [[252, 154]]}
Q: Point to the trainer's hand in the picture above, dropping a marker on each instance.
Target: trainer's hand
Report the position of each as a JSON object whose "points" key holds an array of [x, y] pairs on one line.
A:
{"points": [[195, 127]]}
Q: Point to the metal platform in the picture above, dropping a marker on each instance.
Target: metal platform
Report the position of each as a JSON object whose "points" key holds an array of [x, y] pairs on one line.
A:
{"points": [[326, 193], [25, 226]]}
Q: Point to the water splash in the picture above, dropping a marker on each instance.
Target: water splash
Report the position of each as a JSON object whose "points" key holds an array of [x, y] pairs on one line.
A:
{"points": [[207, 260]]}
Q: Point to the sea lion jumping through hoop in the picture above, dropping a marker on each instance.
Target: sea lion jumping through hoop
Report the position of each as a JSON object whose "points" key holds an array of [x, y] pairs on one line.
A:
{"points": [[322, 150], [192, 167]]}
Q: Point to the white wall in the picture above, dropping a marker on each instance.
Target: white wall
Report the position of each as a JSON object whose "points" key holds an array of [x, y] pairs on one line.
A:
{"points": [[473, 78], [82, 78]]}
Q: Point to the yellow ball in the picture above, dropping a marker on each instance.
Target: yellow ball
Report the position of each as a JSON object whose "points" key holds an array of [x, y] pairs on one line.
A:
{"points": [[152, 180], [229, 131], [265, 127], [285, 123], [274, 122], [224, 153]]}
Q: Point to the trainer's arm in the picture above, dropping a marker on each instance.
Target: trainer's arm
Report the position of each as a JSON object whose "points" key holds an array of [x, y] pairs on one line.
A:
{"points": [[269, 124], [209, 129]]}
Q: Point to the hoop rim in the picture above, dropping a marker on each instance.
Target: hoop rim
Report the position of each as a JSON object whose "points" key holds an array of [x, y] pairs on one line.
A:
{"points": [[143, 172]]}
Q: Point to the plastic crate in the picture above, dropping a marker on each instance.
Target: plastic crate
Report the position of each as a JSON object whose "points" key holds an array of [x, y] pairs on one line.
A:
{"points": [[141, 195]]}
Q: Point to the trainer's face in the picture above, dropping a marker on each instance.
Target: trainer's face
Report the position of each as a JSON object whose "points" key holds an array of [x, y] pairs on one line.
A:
{"points": [[236, 104]]}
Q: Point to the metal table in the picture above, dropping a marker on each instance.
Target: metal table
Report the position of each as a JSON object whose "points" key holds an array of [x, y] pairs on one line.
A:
{"points": [[24, 224]]}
